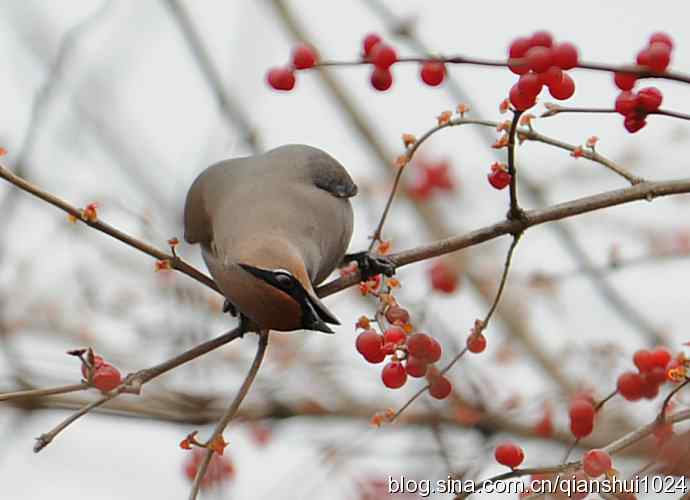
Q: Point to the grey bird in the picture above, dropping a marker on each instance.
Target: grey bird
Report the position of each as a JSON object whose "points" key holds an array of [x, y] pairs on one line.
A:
{"points": [[271, 228]]}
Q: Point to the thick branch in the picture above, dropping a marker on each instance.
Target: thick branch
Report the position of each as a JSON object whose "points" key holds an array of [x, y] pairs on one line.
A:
{"points": [[642, 191]]}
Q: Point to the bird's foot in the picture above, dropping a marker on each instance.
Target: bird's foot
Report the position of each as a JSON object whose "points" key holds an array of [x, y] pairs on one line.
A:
{"points": [[247, 325], [229, 307], [370, 265]]}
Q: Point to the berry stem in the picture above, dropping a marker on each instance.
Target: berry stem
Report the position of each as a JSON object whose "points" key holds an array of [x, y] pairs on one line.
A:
{"points": [[664, 407], [515, 210], [504, 279]]}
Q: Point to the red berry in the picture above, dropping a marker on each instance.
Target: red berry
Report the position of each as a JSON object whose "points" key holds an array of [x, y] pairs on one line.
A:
{"points": [[656, 375], [419, 345], [643, 57], [539, 58], [650, 388], [649, 99], [443, 277], [433, 73], [383, 56], [370, 42], [551, 76], [303, 57], [661, 356], [394, 375], [544, 427], [624, 81], [438, 175], [381, 79], [633, 123], [97, 362], [434, 352], [106, 377], [397, 315], [499, 179], [563, 89], [415, 367], [476, 343], [630, 386], [659, 55], [626, 102], [420, 189], [581, 428], [281, 78], [395, 335], [369, 344], [541, 39], [644, 361], [509, 454], [517, 50], [565, 55], [440, 388], [662, 432], [596, 462], [520, 101], [529, 84], [389, 348], [581, 410], [661, 37]]}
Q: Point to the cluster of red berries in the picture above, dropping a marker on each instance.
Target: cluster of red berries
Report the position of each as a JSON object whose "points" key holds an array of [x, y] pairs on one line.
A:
{"points": [[410, 353], [103, 375], [499, 178], [540, 62], [431, 177], [444, 277], [283, 78], [635, 106], [509, 454], [652, 371], [220, 468], [582, 410], [596, 462], [382, 56]]}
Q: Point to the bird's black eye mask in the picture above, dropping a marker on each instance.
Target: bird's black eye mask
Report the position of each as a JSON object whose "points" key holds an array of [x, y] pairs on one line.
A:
{"points": [[315, 315]]}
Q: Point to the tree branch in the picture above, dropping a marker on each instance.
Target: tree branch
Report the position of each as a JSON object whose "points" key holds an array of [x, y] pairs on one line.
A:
{"points": [[231, 412]]}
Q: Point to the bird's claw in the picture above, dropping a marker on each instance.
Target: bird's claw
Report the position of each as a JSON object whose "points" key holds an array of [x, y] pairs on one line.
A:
{"points": [[229, 307], [370, 265]]}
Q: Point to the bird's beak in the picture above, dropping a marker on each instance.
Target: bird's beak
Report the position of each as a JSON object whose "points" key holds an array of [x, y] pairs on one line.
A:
{"points": [[316, 316]]}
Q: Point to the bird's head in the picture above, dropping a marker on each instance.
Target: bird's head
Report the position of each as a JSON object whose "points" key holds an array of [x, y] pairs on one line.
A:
{"points": [[295, 286]]}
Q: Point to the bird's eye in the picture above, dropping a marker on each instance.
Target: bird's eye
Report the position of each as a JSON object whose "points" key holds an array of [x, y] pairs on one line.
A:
{"points": [[284, 280]]}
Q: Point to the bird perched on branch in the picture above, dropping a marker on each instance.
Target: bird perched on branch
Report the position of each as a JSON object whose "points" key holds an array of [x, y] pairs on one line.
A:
{"points": [[271, 228]]}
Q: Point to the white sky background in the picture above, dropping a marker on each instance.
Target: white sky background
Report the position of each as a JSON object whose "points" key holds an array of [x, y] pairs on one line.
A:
{"points": [[133, 74]]}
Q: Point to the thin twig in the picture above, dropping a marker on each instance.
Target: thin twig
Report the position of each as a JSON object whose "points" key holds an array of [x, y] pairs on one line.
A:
{"points": [[640, 71], [667, 400], [613, 448], [555, 109], [230, 413], [175, 262], [487, 318], [515, 210], [133, 382], [34, 393], [232, 111]]}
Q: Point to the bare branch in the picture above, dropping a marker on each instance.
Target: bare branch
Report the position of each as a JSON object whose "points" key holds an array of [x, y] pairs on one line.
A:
{"points": [[231, 412]]}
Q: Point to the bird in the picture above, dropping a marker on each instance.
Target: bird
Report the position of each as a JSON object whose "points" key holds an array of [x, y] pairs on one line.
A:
{"points": [[271, 228]]}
